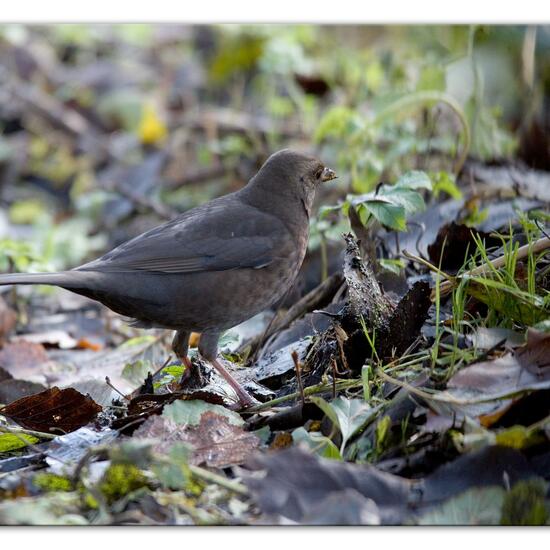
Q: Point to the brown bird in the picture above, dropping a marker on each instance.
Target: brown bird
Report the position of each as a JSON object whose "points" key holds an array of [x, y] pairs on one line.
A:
{"points": [[212, 267]]}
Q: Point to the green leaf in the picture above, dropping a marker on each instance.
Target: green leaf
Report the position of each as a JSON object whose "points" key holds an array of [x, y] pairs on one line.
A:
{"points": [[445, 183], [12, 442], [382, 432], [409, 199], [365, 379], [348, 415], [317, 443], [336, 122], [432, 77], [518, 437], [137, 371], [190, 412], [524, 504], [395, 266], [478, 506], [388, 214], [173, 473], [415, 179]]}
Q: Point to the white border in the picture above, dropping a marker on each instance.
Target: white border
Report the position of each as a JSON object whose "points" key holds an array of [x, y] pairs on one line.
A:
{"points": [[284, 11]]}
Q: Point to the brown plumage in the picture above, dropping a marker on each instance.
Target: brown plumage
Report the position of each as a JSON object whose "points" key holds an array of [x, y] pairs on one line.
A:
{"points": [[212, 267]]}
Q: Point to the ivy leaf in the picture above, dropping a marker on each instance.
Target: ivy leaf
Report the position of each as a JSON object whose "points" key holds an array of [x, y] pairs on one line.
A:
{"points": [[409, 199], [317, 443], [348, 415], [415, 179], [387, 213]]}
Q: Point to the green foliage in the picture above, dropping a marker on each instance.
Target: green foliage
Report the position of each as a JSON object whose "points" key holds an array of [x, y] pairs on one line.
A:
{"points": [[382, 434], [317, 443], [444, 182], [170, 374], [525, 504], [52, 482], [508, 301], [238, 52], [390, 205], [347, 415], [14, 441], [20, 255], [137, 371], [121, 479], [173, 473]]}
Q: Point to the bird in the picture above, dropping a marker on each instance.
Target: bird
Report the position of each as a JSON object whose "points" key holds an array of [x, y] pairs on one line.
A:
{"points": [[211, 267]]}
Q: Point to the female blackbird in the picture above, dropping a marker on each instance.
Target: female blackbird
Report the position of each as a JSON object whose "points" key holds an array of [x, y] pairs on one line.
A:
{"points": [[212, 267]]}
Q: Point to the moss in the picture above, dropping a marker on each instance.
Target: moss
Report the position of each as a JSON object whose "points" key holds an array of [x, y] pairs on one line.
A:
{"points": [[50, 483], [121, 479], [524, 504]]}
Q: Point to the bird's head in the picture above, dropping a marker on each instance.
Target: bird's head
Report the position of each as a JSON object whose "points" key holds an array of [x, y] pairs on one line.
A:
{"points": [[292, 175]]}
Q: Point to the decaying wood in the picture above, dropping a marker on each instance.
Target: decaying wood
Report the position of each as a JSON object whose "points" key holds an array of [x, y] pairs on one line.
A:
{"points": [[365, 297], [392, 327]]}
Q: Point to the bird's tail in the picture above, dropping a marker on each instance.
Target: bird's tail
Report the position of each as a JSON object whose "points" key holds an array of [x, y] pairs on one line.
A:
{"points": [[56, 279]]}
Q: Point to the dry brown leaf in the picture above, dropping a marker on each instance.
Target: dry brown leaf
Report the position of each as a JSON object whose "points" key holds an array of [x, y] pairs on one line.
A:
{"points": [[53, 410], [22, 358], [215, 441]]}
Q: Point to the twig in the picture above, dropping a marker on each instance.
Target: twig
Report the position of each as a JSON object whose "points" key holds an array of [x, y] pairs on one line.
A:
{"points": [[298, 368], [108, 382], [542, 244], [311, 390], [334, 372], [16, 431], [211, 477]]}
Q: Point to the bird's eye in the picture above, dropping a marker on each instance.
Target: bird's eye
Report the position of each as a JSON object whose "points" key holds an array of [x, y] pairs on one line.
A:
{"points": [[318, 172]]}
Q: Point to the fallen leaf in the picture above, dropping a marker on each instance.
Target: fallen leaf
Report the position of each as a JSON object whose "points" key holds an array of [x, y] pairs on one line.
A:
{"points": [[296, 481], [54, 409], [65, 452], [214, 440], [12, 389], [218, 443], [84, 343], [152, 129], [455, 243], [526, 368], [23, 359]]}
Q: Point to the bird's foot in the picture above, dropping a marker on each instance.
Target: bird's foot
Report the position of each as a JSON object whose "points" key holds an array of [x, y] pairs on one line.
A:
{"points": [[192, 377], [245, 399]]}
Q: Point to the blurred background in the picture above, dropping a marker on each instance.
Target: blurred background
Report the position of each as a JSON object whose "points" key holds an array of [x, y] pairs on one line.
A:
{"points": [[108, 130]]}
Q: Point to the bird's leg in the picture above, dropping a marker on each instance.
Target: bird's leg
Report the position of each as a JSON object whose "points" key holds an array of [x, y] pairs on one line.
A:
{"points": [[180, 346], [208, 348]]}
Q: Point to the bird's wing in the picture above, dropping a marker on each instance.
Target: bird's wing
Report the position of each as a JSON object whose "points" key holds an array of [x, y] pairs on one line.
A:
{"points": [[217, 236]]}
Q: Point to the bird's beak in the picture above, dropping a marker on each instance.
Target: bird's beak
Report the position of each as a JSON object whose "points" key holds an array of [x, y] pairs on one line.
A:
{"points": [[328, 175]]}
